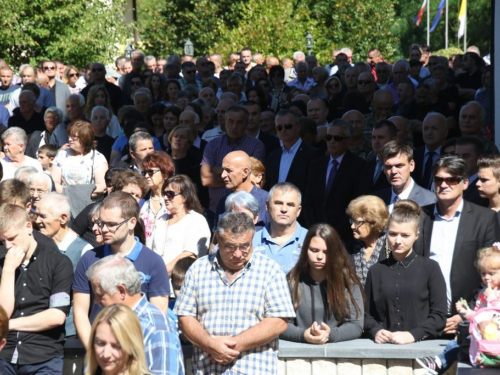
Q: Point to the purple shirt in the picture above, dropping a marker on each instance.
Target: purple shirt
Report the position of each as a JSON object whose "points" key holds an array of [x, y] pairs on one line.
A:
{"points": [[218, 148]]}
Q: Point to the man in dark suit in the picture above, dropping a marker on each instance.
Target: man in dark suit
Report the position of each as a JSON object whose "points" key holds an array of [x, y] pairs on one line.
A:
{"points": [[372, 176], [290, 162], [434, 133], [398, 164], [271, 143], [452, 231], [333, 180], [98, 73], [469, 147]]}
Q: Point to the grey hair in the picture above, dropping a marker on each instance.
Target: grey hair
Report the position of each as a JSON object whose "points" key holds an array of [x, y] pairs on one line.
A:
{"points": [[142, 92], [149, 58], [236, 223], [403, 62], [94, 210], [297, 54], [477, 105], [52, 110], [59, 204], [196, 117], [441, 117], [242, 199], [18, 133], [27, 169], [114, 270], [101, 108], [346, 49], [136, 137], [41, 176], [453, 164], [24, 66], [346, 125], [81, 99], [284, 187], [137, 52]]}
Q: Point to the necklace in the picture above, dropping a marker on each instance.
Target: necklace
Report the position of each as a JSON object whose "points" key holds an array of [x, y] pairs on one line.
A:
{"points": [[156, 199], [398, 262]]}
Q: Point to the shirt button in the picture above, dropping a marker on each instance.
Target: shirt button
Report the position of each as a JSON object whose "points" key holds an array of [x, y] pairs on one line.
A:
{"points": [[19, 342]]}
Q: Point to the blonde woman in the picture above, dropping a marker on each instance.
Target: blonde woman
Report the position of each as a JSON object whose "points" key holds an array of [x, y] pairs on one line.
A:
{"points": [[116, 343]]}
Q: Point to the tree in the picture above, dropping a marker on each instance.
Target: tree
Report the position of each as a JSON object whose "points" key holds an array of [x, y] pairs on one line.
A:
{"points": [[74, 31]]}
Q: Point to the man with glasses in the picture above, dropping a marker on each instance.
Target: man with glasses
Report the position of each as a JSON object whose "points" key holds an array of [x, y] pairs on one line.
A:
{"points": [[210, 303], [290, 162], [188, 69], [366, 86], [98, 73], [137, 62], [333, 181], [40, 184], [118, 217], [58, 89], [452, 231]]}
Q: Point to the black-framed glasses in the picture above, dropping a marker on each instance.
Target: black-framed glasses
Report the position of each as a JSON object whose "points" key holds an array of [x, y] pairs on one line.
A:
{"points": [[110, 226], [364, 82], [150, 172], [356, 223], [286, 126], [450, 181], [170, 194], [336, 138]]}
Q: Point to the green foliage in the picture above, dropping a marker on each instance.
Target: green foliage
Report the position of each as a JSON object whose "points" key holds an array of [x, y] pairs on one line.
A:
{"points": [[448, 52], [74, 31]]}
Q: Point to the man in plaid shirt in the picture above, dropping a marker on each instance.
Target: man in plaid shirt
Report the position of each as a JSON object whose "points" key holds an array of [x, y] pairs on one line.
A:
{"points": [[234, 304]]}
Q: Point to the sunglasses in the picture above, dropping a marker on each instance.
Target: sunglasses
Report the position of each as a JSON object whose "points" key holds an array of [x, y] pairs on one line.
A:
{"points": [[364, 82], [170, 194], [135, 83], [97, 70], [49, 68], [287, 127], [336, 138], [74, 75], [149, 172], [450, 181]]}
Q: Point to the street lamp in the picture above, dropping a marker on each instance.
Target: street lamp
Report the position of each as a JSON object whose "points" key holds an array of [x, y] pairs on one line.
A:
{"points": [[309, 43], [128, 51], [188, 48]]}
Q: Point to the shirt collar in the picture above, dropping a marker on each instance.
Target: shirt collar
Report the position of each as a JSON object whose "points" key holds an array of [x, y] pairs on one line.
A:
{"points": [[134, 253], [294, 148], [437, 151], [266, 235], [140, 304], [238, 142], [405, 262], [216, 263], [457, 212], [405, 193], [339, 159]]}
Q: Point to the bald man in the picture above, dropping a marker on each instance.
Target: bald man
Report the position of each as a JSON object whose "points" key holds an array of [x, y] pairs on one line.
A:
{"points": [[208, 95], [381, 110], [270, 62], [42, 80], [403, 126], [26, 117], [236, 171], [358, 144]]}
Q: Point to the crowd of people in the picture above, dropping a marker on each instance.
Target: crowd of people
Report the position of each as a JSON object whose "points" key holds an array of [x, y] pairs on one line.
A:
{"points": [[169, 202]]}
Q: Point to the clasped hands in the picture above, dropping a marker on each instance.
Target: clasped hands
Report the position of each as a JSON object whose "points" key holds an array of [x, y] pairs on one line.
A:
{"points": [[400, 337], [317, 333]]}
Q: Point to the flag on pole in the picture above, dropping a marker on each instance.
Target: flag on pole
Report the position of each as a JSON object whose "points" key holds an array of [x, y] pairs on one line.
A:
{"points": [[462, 18], [439, 13], [418, 18]]}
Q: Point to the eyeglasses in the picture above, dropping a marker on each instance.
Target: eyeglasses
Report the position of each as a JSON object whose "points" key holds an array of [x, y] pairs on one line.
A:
{"points": [[101, 224], [72, 136], [38, 191], [364, 82], [357, 223], [49, 68], [287, 127], [52, 118], [149, 172], [245, 248], [135, 83], [97, 70], [170, 194], [336, 138], [450, 181], [333, 86], [73, 75]]}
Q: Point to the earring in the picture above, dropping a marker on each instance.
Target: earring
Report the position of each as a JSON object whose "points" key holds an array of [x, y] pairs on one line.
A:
{"points": [[387, 249]]}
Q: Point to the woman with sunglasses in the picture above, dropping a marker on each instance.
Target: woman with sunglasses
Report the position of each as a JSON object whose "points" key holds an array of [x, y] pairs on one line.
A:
{"points": [[327, 295], [158, 167], [71, 75], [368, 216], [183, 231]]}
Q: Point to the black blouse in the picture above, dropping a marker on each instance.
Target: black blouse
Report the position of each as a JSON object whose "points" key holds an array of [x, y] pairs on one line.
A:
{"points": [[406, 296]]}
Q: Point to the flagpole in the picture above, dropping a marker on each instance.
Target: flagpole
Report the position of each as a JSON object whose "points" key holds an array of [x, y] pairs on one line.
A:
{"points": [[446, 28], [465, 29], [428, 24]]}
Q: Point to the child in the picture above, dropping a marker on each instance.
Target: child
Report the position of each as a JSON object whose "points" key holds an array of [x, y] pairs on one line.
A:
{"points": [[488, 263], [177, 278], [46, 155]]}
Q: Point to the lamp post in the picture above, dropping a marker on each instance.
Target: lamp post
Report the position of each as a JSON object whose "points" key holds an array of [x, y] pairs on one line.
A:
{"points": [[309, 43], [128, 51], [188, 48]]}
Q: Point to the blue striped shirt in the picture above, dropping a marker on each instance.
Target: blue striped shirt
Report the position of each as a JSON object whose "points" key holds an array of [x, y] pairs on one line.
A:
{"points": [[161, 340], [226, 308]]}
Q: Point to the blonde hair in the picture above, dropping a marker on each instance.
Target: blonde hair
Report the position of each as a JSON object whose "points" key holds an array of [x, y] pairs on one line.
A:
{"points": [[90, 100], [372, 209], [488, 257], [258, 168], [127, 330]]}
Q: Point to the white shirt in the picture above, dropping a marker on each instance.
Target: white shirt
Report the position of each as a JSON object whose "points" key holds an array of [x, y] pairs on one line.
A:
{"points": [[404, 195], [9, 170], [212, 133], [444, 236]]}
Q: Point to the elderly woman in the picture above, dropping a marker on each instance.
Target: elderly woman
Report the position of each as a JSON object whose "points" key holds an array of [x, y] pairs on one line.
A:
{"points": [[14, 144], [71, 75], [174, 237], [100, 122], [98, 95], [52, 117], [158, 167], [80, 163], [368, 217]]}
